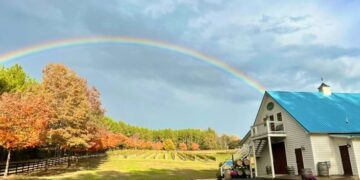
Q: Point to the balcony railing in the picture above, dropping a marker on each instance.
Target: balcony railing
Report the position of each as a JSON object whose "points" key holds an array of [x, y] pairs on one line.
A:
{"points": [[269, 127]]}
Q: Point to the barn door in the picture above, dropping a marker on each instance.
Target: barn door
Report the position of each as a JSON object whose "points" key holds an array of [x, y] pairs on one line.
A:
{"points": [[345, 158], [299, 160], [279, 155]]}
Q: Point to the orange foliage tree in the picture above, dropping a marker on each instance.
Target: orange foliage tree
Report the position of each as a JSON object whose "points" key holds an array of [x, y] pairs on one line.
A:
{"points": [[195, 147], [182, 146], [148, 145], [158, 146], [70, 101], [23, 122]]}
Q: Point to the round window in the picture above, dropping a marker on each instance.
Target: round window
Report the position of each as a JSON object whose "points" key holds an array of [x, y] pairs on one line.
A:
{"points": [[270, 106]]}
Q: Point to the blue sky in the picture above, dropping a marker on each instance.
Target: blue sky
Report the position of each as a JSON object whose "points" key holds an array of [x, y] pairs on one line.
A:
{"points": [[284, 45]]}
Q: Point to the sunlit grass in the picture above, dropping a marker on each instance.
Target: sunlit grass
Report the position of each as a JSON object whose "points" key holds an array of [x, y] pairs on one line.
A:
{"points": [[136, 167]]}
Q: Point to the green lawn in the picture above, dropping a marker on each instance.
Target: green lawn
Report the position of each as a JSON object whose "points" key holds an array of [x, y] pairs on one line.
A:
{"points": [[139, 165]]}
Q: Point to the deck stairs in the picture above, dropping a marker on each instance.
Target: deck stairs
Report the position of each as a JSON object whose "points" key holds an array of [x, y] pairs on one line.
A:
{"points": [[259, 146]]}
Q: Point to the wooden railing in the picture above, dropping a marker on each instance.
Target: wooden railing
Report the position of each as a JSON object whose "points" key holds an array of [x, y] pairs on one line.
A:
{"points": [[43, 164], [269, 127]]}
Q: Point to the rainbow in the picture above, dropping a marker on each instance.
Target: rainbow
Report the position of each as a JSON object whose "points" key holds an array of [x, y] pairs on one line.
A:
{"points": [[216, 63]]}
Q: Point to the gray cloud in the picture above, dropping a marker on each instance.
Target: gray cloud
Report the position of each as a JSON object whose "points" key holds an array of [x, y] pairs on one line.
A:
{"points": [[285, 46]]}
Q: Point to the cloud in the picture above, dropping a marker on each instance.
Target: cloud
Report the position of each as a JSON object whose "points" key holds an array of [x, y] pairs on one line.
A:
{"points": [[283, 45]]}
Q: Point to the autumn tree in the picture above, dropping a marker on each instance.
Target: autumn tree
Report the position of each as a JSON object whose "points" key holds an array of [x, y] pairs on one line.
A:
{"points": [[100, 138], [234, 142], [23, 122], [195, 146], [68, 98], [182, 146], [158, 146], [169, 145], [148, 145]]}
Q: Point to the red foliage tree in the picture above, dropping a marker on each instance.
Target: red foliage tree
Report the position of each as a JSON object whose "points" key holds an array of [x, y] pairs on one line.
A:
{"points": [[23, 122]]}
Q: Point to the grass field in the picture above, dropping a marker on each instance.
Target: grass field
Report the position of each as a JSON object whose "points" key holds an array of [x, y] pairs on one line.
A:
{"points": [[132, 164]]}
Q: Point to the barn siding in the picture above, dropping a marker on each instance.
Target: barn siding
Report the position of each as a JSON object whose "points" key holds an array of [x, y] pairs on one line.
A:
{"points": [[318, 148], [296, 137], [356, 155], [326, 148], [263, 161]]}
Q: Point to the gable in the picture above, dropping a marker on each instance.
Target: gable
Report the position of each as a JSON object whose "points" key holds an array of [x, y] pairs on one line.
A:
{"points": [[277, 108]]}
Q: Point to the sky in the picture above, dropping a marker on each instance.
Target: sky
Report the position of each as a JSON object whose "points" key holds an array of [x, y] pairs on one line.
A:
{"points": [[283, 45]]}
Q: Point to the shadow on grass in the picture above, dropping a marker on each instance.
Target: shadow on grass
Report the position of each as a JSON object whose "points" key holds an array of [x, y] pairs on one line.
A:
{"points": [[89, 169], [82, 164], [177, 174]]}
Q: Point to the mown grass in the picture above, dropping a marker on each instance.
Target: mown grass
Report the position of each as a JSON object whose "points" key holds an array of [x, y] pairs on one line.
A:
{"points": [[137, 165]]}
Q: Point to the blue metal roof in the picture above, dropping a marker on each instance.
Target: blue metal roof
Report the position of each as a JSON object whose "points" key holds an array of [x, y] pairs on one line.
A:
{"points": [[337, 113]]}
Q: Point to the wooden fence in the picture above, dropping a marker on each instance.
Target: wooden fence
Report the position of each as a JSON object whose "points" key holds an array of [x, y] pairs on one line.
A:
{"points": [[29, 166]]}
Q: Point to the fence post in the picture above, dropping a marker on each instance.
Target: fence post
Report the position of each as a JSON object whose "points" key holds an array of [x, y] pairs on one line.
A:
{"points": [[46, 164], [27, 165]]}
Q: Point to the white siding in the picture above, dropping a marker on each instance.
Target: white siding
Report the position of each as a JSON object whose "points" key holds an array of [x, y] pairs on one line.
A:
{"points": [[326, 148], [263, 161], [356, 155], [318, 148], [296, 137]]}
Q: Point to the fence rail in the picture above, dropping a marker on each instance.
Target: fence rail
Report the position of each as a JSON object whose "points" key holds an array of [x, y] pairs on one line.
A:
{"points": [[29, 166]]}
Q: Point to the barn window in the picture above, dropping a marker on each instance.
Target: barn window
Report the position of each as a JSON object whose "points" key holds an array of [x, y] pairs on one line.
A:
{"points": [[271, 118], [279, 116]]}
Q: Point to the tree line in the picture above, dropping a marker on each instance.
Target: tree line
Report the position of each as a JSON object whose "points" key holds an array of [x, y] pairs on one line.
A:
{"points": [[63, 114], [183, 139]]}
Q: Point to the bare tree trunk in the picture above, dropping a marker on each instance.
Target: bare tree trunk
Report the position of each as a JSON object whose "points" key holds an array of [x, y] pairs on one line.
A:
{"points": [[69, 162], [7, 164]]}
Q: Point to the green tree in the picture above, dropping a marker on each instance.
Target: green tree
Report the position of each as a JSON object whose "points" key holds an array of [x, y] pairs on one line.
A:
{"points": [[14, 79], [209, 140]]}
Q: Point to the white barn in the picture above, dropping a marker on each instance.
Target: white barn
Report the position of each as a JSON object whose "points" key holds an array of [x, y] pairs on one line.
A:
{"points": [[303, 129]]}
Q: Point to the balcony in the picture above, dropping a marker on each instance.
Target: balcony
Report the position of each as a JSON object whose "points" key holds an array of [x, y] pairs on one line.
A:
{"points": [[269, 128]]}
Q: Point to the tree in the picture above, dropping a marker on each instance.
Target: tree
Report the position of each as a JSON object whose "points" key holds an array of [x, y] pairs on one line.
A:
{"points": [[169, 145], [158, 146], [14, 79], [23, 122], [234, 142], [183, 146], [209, 139], [195, 147], [68, 98], [148, 145]]}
